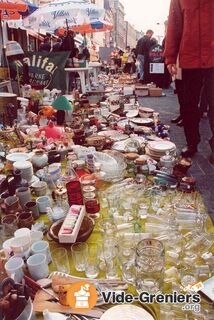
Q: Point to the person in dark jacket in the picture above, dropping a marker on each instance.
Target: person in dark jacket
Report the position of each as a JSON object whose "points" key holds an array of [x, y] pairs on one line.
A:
{"points": [[68, 43], [142, 52], [190, 34]]}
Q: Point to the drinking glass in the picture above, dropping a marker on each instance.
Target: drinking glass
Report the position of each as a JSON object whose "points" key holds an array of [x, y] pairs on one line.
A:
{"points": [[60, 260], [111, 265], [79, 253], [92, 261], [126, 252], [107, 227]]}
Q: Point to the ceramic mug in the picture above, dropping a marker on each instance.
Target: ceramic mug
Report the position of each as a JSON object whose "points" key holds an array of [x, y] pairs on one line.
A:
{"points": [[33, 207], [22, 233], [14, 267], [12, 204], [42, 247], [39, 188], [25, 219], [43, 203], [24, 195], [36, 236], [20, 245], [38, 266]]}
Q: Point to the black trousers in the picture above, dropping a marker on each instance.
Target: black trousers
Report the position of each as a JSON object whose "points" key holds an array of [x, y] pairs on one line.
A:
{"points": [[180, 93], [127, 68], [193, 80]]}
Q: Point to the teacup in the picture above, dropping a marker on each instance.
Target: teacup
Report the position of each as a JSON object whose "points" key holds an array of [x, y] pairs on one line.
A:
{"points": [[33, 207], [25, 219], [39, 188]]}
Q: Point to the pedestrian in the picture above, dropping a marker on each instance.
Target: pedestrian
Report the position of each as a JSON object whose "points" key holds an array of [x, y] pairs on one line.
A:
{"points": [[142, 52], [128, 59], [68, 43], [46, 45], [190, 34]]}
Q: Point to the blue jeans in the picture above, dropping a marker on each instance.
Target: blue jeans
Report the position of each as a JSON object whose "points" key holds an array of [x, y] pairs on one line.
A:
{"points": [[141, 59]]}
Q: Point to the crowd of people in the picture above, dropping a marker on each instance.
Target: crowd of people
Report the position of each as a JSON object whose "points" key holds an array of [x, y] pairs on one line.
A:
{"points": [[135, 60]]}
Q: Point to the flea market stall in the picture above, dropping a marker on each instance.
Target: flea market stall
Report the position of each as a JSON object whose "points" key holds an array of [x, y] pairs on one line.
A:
{"points": [[93, 191]]}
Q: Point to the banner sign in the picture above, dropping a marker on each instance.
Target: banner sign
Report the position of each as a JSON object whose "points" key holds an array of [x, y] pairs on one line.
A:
{"points": [[156, 54], [46, 69]]}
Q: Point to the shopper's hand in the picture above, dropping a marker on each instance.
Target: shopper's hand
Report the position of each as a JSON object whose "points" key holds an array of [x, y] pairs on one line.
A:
{"points": [[172, 69]]}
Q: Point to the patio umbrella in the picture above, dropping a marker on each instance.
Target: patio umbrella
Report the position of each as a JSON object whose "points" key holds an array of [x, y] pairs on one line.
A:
{"points": [[93, 26], [65, 14], [14, 9]]}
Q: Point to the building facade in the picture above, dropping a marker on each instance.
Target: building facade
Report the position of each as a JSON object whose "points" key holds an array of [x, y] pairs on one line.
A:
{"points": [[131, 35]]}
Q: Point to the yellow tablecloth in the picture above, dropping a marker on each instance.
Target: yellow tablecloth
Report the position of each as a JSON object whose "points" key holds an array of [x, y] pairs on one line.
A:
{"points": [[95, 236]]}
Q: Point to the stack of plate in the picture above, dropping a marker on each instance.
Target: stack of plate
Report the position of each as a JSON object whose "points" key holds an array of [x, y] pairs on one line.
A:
{"points": [[157, 149]]}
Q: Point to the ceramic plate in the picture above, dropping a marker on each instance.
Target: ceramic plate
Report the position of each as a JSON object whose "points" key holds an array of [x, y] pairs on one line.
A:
{"points": [[19, 156], [127, 312], [132, 113], [113, 134], [142, 121], [161, 146]]}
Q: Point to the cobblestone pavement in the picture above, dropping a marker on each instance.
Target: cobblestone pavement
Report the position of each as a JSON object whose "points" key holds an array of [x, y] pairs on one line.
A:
{"points": [[201, 169]]}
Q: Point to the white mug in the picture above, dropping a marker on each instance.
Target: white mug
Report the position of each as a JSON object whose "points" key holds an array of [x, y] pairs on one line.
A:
{"points": [[38, 266], [6, 247], [42, 247], [43, 203], [36, 236], [20, 245], [14, 267], [22, 233]]}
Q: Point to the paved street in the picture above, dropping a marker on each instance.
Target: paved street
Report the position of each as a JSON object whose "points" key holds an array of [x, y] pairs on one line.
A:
{"points": [[201, 169]]}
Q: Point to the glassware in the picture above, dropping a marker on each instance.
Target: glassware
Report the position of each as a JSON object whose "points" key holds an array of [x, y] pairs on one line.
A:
{"points": [[79, 254], [150, 261], [92, 261], [60, 260], [111, 266], [107, 227]]}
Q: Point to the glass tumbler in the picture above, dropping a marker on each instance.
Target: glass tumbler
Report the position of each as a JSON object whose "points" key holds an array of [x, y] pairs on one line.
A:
{"points": [[79, 254], [92, 261], [60, 260], [150, 263]]}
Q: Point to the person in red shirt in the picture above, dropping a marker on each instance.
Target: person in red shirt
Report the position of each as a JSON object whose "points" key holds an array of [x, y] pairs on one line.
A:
{"points": [[190, 35]]}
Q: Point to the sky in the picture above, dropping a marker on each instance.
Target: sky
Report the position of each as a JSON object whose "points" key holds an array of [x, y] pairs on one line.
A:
{"points": [[145, 14]]}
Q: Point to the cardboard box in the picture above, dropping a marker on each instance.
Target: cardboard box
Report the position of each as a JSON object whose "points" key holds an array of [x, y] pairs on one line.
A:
{"points": [[72, 236], [155, 92]]}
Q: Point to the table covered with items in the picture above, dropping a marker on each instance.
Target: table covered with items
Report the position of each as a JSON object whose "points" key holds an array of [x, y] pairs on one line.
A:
{"points": [[93, 191]]}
